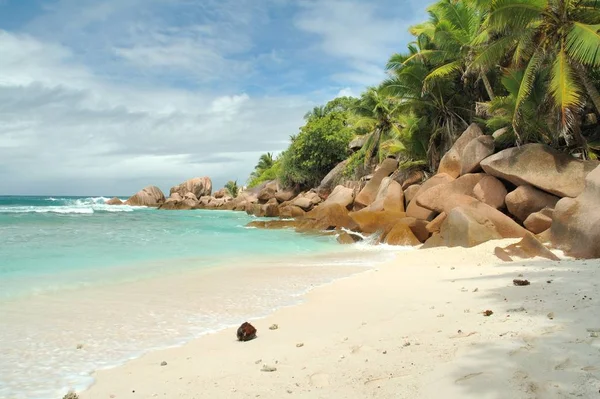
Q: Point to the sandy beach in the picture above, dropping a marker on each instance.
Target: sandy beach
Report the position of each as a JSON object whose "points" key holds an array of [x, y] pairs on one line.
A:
{"points": [[410, 328]]}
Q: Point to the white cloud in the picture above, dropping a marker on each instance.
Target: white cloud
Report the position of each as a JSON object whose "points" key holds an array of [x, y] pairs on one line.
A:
{"points": [[66, 130], [361, 34]]}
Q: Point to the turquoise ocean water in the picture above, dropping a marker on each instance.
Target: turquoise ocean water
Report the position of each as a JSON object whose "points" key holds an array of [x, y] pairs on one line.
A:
{"points": [[84, 285]]}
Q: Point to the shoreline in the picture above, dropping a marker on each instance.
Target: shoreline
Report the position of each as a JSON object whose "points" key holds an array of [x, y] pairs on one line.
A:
{"points": [[412, 338], [123, 321]]}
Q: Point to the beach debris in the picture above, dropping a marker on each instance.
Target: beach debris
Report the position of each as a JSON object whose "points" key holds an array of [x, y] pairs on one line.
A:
{"points": [[246, 332], [163, 363], [549, 281], [299, 345], [384, 352], [289, 391], [259, 361], [268, 369], [71, 395], [551, 315], [488, 313], [274, 327], [440, 315], [521, 283], [452, 268], [476, 290], [406, 344], [516, 310], [79, 346]]}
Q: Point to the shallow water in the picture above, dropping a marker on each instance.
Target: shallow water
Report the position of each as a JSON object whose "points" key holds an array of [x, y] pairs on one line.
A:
{"points": [[85, 286]]}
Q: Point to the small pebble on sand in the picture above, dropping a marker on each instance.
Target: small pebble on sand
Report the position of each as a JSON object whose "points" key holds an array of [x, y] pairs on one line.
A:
{"points": [[163, 363]]}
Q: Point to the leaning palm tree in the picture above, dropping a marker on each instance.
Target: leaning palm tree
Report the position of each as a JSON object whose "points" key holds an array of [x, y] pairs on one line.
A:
{"points": [[558, 36]]}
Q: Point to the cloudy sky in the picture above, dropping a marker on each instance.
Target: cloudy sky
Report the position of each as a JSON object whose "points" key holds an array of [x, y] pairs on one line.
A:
{"points": [[108, 96]]}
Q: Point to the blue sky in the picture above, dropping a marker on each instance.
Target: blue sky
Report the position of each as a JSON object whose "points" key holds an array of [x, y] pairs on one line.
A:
{"points": [[107, 96]]}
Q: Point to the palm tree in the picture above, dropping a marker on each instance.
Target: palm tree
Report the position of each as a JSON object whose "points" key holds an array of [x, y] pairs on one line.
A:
{"points": [[560, 37], [317, 112], [232, 187], [375, 112], [264, 162], [455, 30], [442, 104]]}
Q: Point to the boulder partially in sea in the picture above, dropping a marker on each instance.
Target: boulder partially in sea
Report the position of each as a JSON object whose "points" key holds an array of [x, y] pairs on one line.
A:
{"points": [[114, 201], [149, 196]]}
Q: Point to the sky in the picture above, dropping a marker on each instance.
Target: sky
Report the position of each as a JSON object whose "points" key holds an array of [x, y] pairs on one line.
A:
{"points": [[105, 97]]}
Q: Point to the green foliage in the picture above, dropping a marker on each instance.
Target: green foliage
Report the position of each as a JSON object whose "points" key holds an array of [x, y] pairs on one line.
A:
{"points": [[320, 145], [265, 175], [232, 187]]}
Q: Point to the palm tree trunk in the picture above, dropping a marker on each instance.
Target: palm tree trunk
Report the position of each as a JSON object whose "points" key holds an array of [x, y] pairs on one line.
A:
{"points": [[589, 87], [488, 86]]}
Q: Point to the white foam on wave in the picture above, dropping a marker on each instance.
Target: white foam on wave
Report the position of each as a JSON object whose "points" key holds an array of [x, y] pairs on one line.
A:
{"points": [[80, 206]]}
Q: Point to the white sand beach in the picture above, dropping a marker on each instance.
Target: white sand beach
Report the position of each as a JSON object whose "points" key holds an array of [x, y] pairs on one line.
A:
{"points": [[411, 328]]}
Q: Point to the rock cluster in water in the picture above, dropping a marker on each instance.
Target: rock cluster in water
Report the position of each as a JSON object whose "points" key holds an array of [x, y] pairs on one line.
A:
{"points": [[532, 192]]}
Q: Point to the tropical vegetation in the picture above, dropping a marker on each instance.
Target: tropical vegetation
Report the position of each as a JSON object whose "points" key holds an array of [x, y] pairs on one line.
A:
{"points": [[529, 67]]}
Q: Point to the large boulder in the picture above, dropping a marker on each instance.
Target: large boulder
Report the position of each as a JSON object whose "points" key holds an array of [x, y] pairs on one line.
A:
{"points": [[528, 247], [375, 221], [332, 179], [291, 211], [476, 151], [284, 195], [451, 163], [540, 166], [368, 194], [390, 195], [221, 193], [341, 195], [268, 191], [303, 202], [174, 204], [434, 198], [329, 217], [436, 224], [148, 196], [471, 222], [490, 191], [538, 222], [576, 221], [358, 142], [409, 177], [526, 200], [114, 201], [410, 192], [466, 228], [401, 234], [199, 186], [418, 212]]}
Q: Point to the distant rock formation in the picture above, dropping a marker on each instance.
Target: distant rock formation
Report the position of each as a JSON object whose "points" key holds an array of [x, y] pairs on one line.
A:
{"points": [[148, 196], [199, 186]]}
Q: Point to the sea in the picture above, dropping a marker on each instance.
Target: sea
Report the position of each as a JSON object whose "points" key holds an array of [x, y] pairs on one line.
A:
{"points": [[86, 286]]}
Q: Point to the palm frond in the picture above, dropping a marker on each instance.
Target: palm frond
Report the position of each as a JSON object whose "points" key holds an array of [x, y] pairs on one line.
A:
{"points": [[525, 87], [564, 89], [583, 44], [512, 14]]}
